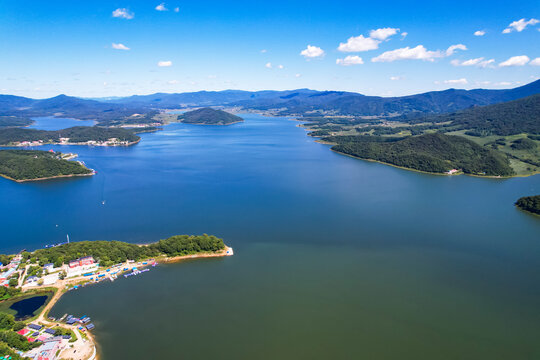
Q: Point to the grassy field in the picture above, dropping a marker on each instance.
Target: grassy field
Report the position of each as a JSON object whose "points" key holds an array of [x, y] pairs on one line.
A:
{"points": [[522, 168]]}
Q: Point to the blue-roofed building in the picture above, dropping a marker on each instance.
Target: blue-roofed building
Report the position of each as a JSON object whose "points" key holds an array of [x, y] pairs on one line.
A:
{"points": [[50, 331], [35, 327], [90, 326]]}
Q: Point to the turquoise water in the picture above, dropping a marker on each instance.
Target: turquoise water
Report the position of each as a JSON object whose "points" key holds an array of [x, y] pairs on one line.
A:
{"points": [[53, 123], [334, 257]]}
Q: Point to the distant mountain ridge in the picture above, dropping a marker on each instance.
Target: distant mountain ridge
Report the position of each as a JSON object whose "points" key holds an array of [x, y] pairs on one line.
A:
{"points": [[289, 102]]}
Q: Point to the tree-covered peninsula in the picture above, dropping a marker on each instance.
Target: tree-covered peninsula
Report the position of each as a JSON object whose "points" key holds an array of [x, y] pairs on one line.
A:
{"points": [[78, 135], [209, 116], [108, 253], [435, 153], [530, 204], [25, 165]]}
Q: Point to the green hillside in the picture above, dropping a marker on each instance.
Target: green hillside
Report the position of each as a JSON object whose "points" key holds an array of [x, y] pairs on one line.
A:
{"points": [[435, 153], [208, 116], [35, 164]]}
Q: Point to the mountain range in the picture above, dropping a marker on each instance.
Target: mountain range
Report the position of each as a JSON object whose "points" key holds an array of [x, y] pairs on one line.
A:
{"points": [[290, 102]]}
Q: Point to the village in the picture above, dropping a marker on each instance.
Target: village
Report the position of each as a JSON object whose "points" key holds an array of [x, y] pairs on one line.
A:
{"points": [[67, 337], [65, 141]]}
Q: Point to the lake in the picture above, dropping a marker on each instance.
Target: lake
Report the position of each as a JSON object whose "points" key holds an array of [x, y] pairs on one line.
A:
{"points": [[26, 308], [52, 123], [334, 257]]}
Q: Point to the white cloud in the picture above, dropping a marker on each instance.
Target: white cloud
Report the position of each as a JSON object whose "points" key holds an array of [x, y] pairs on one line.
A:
{"points": [[396, 78], [298, 75], [479, 33], [479, 62], [161, 7], [264, 51], [268, 65], [281, 66], [164, 63], [452, 49], [417, 53], [535, 62], [123, 13], [119, 46], [462, 81], [520, 25], [359, 43], [383, 33], [504, 83], [350, 60], [176, 9], [404, 35], [172, 82], [515, 61], [312, 52]]}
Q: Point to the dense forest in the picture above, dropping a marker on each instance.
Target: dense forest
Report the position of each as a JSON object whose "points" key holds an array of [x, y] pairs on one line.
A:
{"points": [[76, 134], [509, 118], [209, 116], [435, 153], [530, 204], [112, 252], [36, 164], [13, 121]]}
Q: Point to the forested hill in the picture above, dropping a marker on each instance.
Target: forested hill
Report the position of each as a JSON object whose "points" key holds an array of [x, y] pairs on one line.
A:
{"points": [[13, 121], [34, 164], [77, 134], [530, 204], [435, 153], [509, 118], [209, 116]]}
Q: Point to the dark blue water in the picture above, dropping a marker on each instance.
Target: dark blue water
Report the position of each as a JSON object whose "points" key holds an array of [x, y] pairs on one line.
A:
{"points": [[53, 123], [27, 307], [334, 257]]}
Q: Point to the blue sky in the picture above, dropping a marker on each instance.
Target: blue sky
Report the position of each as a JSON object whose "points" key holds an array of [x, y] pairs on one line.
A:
{"points": [[114, 48]]}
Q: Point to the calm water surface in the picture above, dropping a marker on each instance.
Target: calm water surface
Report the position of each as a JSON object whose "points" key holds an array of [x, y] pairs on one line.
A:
{"points": [[53, 123], [334, 257], [26, 307]]}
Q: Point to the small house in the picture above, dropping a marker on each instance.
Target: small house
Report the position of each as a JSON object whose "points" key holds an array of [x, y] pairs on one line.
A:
{"points": [[48, 267]]}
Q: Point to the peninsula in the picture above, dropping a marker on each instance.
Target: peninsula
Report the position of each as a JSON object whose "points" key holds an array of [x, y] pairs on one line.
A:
{"points": [[77, 135], [433, 153], [209, 116], [32, 165], [52, 271]]}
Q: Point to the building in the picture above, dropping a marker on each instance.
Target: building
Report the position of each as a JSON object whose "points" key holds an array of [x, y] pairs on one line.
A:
{"points": [[83, 265], [87, 260], [48, 267], [6, 275], [48, 350], [84, 261], [32, 280]]}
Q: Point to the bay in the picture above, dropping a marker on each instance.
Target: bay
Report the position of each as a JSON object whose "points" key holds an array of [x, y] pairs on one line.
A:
{"points": [[334, 257]]}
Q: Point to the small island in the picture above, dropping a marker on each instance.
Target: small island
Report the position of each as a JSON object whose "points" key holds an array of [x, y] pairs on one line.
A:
{"points": [[209, 116], [44, 275], [32, 165], [432, 153], [77, 135], [530, 204]]}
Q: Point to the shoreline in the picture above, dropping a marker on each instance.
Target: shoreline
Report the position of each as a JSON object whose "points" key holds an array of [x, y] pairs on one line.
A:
{"points": [[426, 172], [47, 178], [62, 287], [75, 144]]}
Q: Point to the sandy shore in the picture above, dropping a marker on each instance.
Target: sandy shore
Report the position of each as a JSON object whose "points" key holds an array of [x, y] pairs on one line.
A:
{"points": [[48, 178]]}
